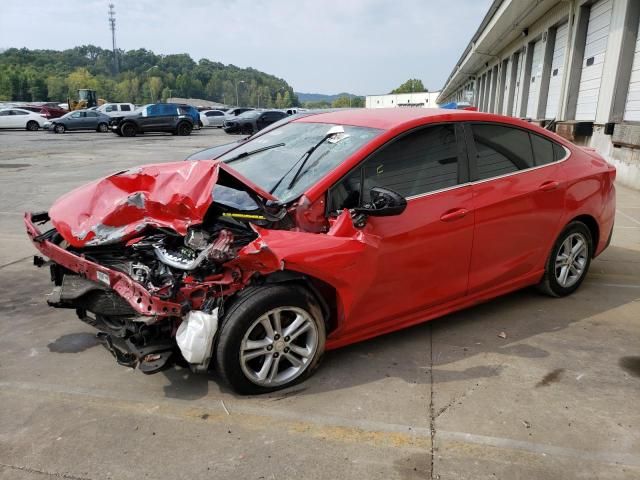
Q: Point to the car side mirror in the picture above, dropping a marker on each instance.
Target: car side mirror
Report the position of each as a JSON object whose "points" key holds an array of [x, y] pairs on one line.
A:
{"points": [[384, 203]]}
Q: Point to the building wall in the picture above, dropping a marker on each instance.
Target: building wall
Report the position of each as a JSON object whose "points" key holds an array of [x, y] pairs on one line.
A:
{"points": [[596, 82], [417, 99]]}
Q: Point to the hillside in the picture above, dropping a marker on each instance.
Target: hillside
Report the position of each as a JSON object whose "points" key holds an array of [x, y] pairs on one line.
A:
{"points": [[144, 77], [320, 97]]}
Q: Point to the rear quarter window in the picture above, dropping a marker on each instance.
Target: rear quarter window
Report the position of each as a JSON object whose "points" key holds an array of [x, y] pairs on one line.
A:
{"points": [[543, 152]]}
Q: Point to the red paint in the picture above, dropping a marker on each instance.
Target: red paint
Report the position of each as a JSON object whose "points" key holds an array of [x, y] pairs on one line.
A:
{"points": [[170, 195], [446, 251]]}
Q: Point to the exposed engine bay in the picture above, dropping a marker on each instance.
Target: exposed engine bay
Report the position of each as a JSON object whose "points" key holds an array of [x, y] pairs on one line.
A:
{"points": [[186, 271]]}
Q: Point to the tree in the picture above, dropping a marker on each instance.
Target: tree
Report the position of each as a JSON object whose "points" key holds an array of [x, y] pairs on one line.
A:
{"points": [[279, 102], [348, 101], [286, 100], [56, 88], [410, 86], [80, 78], [31, 75], [155, 87]]}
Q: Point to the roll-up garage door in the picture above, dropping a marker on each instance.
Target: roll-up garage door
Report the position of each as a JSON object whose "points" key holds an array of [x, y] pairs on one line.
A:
{"points": [[593, 62], [534, 80], [632, 108], [506, 87], [557, 71], [516, 89]]}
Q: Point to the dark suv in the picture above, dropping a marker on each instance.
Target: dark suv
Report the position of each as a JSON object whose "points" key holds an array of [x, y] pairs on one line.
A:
{"points": [[156, 117], [253, 121]]}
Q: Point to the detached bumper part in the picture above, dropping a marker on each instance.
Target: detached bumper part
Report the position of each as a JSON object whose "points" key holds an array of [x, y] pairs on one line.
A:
{"points": [[149, 359]]}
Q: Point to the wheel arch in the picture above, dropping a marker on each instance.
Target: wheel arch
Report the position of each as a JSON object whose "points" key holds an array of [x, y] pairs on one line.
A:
{"points": [[325, 294], [594, 229]]}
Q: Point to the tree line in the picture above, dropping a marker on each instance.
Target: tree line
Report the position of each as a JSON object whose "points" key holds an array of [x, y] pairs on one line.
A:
{"points": [[143, 77]]}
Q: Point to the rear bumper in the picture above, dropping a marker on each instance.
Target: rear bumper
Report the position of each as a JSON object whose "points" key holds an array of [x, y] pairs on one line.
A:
{"points": [[140, 299]]}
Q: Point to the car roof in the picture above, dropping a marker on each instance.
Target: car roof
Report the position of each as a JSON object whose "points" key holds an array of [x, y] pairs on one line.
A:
{"points": [[390, 118], [16, 108]]}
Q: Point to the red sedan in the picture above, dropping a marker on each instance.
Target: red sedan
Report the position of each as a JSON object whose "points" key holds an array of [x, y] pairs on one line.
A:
{"points": [[331, 229]]}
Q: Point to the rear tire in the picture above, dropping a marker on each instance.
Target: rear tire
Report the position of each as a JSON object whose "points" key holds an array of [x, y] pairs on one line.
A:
{"points": [[184, 129], [59, 128], [102, 128], [569, 261], [32, 126], [292, 356], [128, 130]]}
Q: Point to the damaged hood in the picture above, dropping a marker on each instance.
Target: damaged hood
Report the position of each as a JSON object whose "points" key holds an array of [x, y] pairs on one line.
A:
{"points": [[120, 206]]}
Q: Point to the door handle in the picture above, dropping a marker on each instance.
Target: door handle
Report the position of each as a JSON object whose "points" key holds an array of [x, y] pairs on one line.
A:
{"points": [[455, 214], [549, 185]]}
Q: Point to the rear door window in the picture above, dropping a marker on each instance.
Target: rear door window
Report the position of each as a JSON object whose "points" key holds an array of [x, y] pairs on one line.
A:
{"points": [[125, 108], [500, 150]]}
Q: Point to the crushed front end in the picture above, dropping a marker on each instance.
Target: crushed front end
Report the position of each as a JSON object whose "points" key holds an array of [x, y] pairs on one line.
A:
{"points": [[148, 257]]}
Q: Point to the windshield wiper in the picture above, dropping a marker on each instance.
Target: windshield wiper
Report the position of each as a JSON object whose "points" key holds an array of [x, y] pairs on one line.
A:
{"points": [[306, 155], [257, 150]]}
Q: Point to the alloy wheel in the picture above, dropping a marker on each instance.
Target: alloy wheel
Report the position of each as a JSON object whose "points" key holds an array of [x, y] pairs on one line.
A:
{"points": [[571, 260], [279, 346]]}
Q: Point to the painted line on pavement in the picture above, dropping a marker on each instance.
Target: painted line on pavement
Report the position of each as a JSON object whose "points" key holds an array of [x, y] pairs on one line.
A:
{"points": [[628, 217], [303, 423]]}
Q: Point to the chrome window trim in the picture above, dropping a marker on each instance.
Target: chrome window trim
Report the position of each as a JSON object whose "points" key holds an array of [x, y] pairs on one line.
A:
{"points": [[484, 180]]}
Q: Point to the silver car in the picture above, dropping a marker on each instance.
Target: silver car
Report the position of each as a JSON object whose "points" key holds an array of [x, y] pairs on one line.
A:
{"points": [[79, 120]]}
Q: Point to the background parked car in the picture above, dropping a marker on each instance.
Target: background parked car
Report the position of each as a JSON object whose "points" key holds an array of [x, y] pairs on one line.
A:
{"points": [[234, 112], [250, 122], [79, 120], [20, 118], [117, 109], [184, 109], [46, 111], [212, 118], [216, 151], [156, 117]]}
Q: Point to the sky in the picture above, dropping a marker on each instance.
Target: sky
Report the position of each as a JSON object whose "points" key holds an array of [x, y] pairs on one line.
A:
{"points": [[317, 46]]}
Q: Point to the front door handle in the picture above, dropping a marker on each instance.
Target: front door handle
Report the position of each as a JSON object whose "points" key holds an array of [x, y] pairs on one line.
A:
{"points": [[549, 185], [455, 214]]}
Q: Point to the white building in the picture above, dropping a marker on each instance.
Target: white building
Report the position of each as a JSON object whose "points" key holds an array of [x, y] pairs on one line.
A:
{"points": [[575, 61], [416, 99]]}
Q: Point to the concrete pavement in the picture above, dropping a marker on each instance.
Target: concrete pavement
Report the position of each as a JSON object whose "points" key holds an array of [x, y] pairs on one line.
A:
{"points": [[450, 399]]}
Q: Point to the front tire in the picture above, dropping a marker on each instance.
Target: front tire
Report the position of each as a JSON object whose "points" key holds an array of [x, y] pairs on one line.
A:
{"points": [[59, 128], [32, 126], [103, 128], [568, 262], [271, 337]]}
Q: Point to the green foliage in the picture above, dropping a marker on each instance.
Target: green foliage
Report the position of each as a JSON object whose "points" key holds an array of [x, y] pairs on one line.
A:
{"points": [[316, 105], [410, 86], [346, 101], [50, 75]]}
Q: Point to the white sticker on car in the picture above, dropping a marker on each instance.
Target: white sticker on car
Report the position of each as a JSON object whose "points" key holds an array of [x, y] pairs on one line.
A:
{"points": [[103, 278]]}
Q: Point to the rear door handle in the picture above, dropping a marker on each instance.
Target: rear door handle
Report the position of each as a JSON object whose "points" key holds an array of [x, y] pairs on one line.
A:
{"points": [[452, 215], [548, 186]]}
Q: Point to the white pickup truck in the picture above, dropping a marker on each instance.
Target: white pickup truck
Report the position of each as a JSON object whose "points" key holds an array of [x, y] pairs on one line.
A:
{"points": [[117, 109]]}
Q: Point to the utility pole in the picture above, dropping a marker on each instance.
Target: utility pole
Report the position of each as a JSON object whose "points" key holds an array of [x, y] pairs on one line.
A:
{"points": [[237, 99], [112, 26]]}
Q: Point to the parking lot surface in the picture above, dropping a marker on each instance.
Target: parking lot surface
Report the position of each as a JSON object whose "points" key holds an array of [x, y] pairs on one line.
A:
{"points": [[524, 386]]}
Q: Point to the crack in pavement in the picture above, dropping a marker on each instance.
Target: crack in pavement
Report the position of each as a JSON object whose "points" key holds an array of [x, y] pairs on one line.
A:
{"points": [[67, 476], [456, 400], [16, 261]]}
